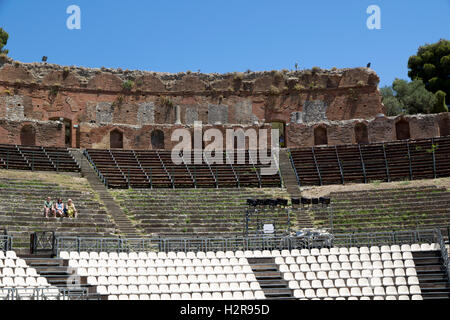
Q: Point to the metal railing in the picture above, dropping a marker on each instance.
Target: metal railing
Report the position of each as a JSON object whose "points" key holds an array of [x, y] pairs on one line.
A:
{"points": [[100, 175], [6, 242], [444, 253], [386, 238], [264, 242], [42, 242], [293, 166], [43, 293]]}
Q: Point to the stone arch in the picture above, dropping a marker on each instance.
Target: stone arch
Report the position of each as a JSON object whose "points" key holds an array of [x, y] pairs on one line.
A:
{"points": [[402, 130], [320, 135], [116, 139], [361, 133], [28, 135], [444, 127], [157, 139]]}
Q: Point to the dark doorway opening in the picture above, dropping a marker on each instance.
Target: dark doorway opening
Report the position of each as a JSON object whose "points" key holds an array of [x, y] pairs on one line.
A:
{"points": [[320, 136], [157, 139], [28, 135], [402, 130], [116, 139], [361, 133], [444, 127]]}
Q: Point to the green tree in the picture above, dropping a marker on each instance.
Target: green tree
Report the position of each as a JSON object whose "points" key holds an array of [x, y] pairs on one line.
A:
{"points": [[431, 64], [393, 105], [440, 106], [407, 98], [3, 41]]}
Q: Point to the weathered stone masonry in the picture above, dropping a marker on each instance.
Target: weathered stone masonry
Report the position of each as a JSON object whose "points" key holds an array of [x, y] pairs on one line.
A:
{"points": [[91, 103]]}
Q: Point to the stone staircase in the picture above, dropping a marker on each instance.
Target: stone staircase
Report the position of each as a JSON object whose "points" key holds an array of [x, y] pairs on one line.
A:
{"points": [[59, 275], [291, 184], [270, 278], [432, 275], [124, 224]]}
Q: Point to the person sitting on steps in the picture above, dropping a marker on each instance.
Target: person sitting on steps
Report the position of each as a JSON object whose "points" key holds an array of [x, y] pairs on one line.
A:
{"points": [[48, 208], [60, 209], [71, 210]]}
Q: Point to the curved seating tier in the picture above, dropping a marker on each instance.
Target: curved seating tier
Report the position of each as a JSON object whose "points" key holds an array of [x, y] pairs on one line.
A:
{"points": [[37, 158], [386, 272], [155, 169], [385, 210], [21, 211], [172, 276], [400, 160], [198, 212]]}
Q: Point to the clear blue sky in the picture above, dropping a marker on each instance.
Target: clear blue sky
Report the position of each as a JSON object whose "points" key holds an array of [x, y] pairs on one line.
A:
{"points": [[225, 36]]}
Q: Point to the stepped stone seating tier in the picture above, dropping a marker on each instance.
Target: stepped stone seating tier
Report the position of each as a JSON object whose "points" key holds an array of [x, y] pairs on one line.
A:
{"points": [[37, 158], [155, 169], [21, 212], [199, 212], [421, 159], [385, 210], [171, 276]]}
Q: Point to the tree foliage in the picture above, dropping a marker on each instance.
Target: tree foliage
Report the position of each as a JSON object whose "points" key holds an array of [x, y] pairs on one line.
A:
{"points": [[440, 102], [431, 64], [3, 41], [408, 98]]}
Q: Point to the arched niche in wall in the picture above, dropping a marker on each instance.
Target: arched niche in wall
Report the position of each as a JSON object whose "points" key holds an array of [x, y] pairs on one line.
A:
{"points": [[116, 139], [402, 130], [361, 133], [444, 127], [157, 139], [28, 135], [320, 135]]}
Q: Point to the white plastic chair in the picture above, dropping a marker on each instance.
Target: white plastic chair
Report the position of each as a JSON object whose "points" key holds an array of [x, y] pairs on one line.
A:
{"points": [[413, 280], [374, 249], [310, 294], [367, 292], [304, 284]]}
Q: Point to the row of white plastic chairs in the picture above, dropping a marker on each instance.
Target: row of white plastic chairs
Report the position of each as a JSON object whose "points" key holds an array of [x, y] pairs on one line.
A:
{"points": [[353, 294], [13, 282], [250, 278], [248, 253], [175, 288], [345, 274], [248, 295], [354, 274], [158, 263], [164, 271], [350, 283], [18, 272], [7, 255], [337, 266], [363, 257], [13, 263], [310, 260]]}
